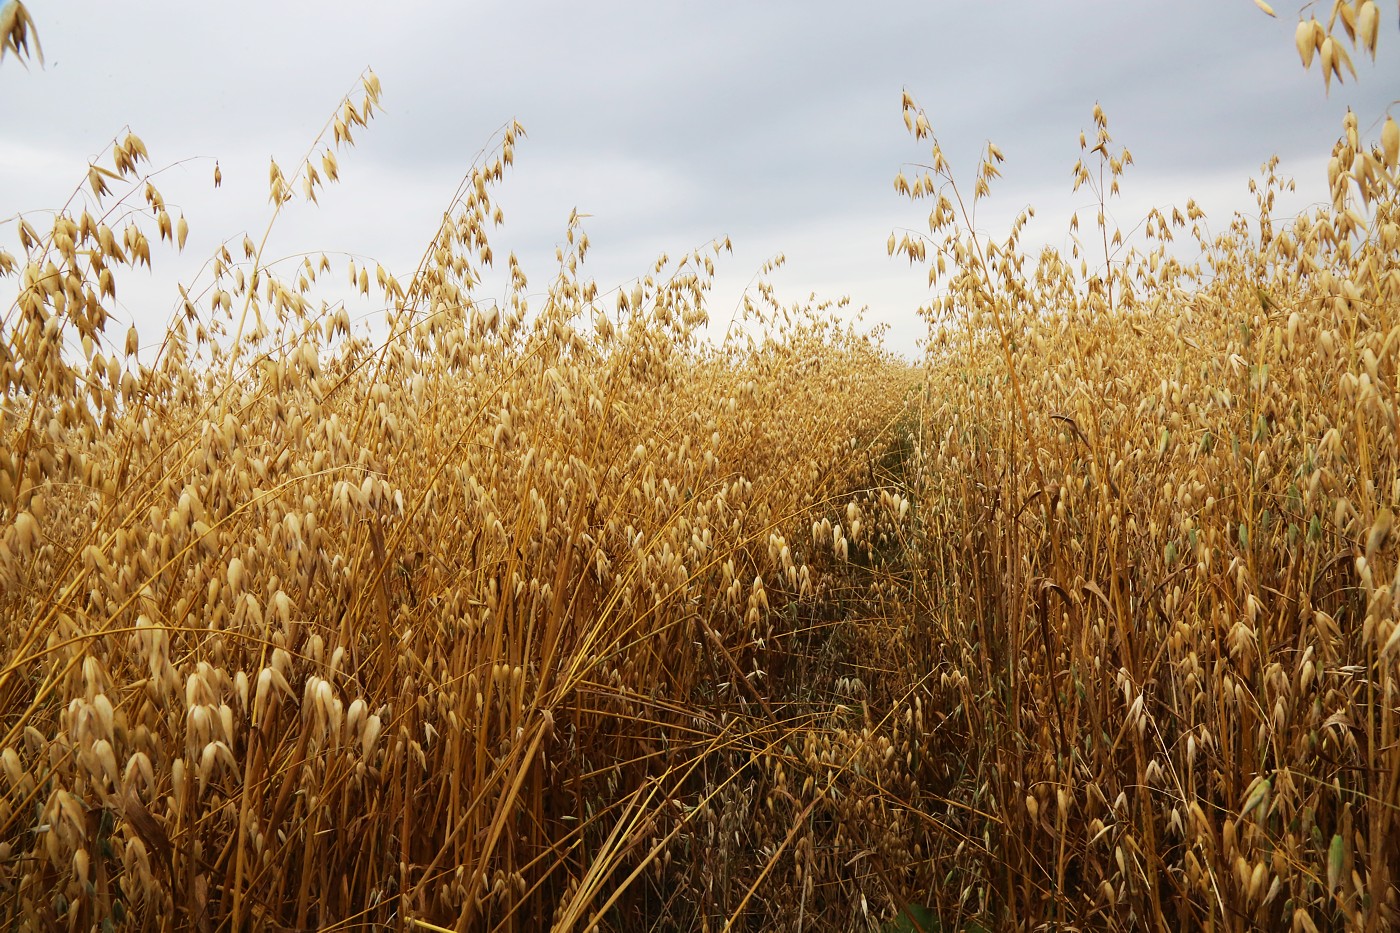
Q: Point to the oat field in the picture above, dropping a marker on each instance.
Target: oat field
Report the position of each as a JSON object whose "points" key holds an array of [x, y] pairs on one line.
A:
{"points": [[556, 613]]}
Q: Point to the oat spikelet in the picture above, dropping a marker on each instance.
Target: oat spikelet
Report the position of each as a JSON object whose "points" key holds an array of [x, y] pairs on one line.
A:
{"points": [[16, 30]]}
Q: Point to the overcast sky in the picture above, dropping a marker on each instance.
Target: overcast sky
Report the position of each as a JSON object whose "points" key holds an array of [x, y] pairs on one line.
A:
{"points": [[776, 124]]}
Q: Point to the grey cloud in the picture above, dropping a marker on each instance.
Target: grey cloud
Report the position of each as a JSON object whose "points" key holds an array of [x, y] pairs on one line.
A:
{"points": [[775, 123]]}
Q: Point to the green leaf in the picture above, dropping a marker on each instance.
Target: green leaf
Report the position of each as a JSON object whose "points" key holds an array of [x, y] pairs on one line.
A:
{"points": [[913, 919]]}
